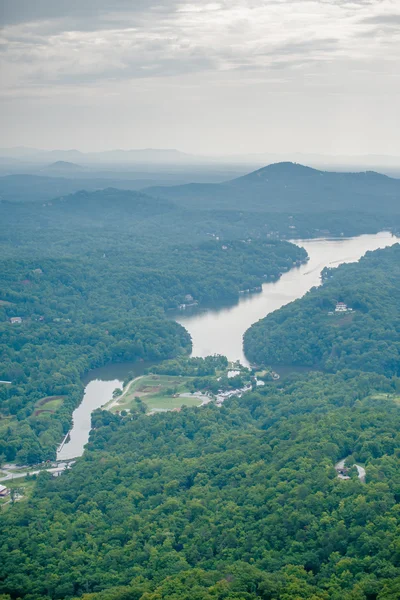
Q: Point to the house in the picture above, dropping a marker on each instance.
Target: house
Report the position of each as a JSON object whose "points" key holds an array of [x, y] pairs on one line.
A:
{"points": [[342, 472], [189, 298], [4, 491], [15, 320], [342, 307], [37, 271]]}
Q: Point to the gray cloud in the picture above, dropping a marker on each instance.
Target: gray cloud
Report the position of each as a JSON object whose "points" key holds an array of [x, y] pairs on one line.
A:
{"points": [[392, 19], [151, 53]]}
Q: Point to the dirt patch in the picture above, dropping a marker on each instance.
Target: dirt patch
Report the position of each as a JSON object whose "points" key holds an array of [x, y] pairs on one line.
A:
{"points": [[151, 389]]}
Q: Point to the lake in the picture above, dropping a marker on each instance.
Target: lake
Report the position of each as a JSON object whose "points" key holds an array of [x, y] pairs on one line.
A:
{"points": [[219, 330]]}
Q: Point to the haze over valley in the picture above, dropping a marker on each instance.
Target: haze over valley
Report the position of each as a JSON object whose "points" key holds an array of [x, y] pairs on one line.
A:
{"points": [[199, 300]]}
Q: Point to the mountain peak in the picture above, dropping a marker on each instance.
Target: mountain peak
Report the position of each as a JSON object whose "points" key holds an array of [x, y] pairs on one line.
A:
{"points": [[63, 165]]}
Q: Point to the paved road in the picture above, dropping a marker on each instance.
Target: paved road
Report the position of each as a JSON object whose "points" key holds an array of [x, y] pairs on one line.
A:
{"points": [[23, 473]]}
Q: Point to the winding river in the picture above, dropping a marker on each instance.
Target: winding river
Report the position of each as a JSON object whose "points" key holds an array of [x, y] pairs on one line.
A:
{"points": [[220, 330]]}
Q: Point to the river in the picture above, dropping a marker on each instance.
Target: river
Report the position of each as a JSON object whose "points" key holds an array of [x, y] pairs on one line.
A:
{"points": [[99, 386], [220, 330]]}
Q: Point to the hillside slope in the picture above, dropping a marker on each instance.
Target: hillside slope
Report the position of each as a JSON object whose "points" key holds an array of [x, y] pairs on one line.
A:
{"points": [[309, 332], [289, 186]]}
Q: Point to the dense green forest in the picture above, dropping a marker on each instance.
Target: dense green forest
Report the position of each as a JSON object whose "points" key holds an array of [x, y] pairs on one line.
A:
{"points": [[309, 331], [234, 502], [93, 278], [237, 502]]}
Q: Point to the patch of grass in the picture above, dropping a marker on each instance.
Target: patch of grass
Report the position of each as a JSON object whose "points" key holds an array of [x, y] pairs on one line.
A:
{"points": [[169, 403], [49, 404], [392, 397], [344, 321], [23, 485], [157, 392]]}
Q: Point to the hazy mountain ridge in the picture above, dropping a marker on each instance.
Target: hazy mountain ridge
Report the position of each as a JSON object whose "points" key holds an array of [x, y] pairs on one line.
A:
{"points": [[294, 187]]}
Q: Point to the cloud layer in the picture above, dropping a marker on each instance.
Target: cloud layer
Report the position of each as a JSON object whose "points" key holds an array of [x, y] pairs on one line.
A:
{"points": [[53, 47]]}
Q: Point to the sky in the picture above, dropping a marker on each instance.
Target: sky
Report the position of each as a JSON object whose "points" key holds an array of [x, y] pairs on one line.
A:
{"points": [[220, 77]]}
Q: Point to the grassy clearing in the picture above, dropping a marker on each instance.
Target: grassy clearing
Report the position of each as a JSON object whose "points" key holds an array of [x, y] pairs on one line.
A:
{"points": [[49, 404], [169, 403], [158, 392], [24, 487], [393, 397]]}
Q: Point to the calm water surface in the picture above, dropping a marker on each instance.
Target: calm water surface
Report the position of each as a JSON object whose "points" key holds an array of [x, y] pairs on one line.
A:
{"points": [[220, 330], [99, 386]]}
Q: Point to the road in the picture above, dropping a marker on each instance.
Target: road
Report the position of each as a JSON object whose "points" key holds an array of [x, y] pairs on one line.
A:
{"points": [[361, 471], [23, 473]]}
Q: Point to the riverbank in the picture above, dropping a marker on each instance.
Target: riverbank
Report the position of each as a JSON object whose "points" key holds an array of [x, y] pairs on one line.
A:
{"points": [[220, 330]]}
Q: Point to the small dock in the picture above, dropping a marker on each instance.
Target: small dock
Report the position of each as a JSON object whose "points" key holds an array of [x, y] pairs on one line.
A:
{"points": [[61, 446]]}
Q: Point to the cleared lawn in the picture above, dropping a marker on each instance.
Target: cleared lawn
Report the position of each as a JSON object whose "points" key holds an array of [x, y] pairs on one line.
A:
{"points": [[169, 403], [24, 486], [393, 397], [49, 404], [158, 392]]}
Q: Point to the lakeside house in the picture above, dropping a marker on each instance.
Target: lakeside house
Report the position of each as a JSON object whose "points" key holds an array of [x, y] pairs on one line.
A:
{"points": [[342, 307], [15, 320], [4, 491]]}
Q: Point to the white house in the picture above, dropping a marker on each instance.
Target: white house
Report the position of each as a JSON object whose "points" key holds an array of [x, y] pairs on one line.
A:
{"points": [[342, 307], [15, 320], [3, 491]]}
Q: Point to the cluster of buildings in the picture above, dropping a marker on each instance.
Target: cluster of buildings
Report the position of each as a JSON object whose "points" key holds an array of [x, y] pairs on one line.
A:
{"points": [[342, 307], [189, 301]]}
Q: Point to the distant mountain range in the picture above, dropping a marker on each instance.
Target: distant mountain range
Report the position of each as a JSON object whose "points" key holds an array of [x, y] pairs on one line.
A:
{"points": [[172, 157], [280, 187], [283, 200], [61, 167], [291, 187], [140, 156]]}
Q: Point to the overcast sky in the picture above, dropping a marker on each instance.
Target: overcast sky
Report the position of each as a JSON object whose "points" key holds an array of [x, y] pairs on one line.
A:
{"points": [[230, 76]]}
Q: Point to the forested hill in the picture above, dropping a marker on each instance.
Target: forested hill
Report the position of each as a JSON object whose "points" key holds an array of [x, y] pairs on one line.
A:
{"points": [[238, 502], [293, 187], [335, 202], [234, 503], [310, 331]]}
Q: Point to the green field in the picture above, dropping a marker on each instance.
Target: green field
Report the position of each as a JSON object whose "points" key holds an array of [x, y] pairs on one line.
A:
{"points": [[158, 392], [393, 397], [24, 486], [49, 404]]}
